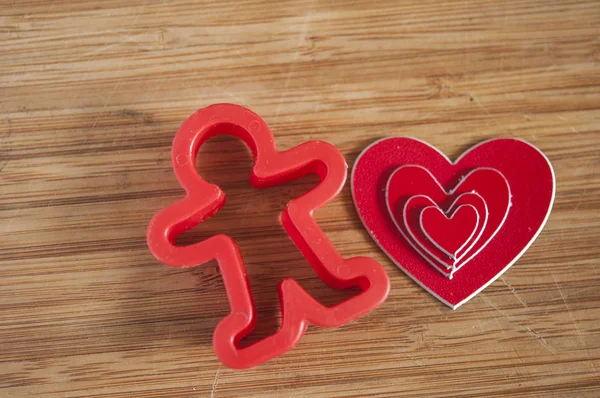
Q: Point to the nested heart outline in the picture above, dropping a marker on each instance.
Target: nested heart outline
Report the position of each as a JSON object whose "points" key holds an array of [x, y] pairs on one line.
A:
{"points": [[452, 213], [448, 194]]}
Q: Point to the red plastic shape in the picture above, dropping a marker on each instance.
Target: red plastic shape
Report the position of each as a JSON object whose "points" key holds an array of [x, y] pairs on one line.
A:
{"points": [[398, 183], [270, 168]]}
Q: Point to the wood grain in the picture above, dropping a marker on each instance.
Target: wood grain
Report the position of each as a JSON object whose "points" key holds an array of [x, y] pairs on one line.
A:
{"points": [[91, 94]]}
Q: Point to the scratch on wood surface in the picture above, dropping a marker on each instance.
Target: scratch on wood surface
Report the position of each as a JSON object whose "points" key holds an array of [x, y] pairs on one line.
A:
{"points": [[101, 112], [215, 383], [579, 293], [92, 54], [415, 360], [513, 291], [239, 100], [580, 199], [562, 296], [513, 321], [541, 339], [304, 30]]}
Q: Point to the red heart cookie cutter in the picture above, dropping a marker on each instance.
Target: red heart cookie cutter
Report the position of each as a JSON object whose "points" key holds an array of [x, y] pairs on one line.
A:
{"points": [[398, 183], [270, 168]]}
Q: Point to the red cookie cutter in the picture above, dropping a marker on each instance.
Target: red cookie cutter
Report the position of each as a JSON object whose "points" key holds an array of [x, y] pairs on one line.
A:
{"points": [[270, 168]]}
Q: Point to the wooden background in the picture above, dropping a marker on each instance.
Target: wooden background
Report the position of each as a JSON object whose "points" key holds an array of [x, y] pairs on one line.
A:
{"points": [[91, 94]]}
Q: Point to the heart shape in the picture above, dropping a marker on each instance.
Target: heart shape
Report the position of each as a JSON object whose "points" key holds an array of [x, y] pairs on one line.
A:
{"points": [[408, 222], [412, 223], [449, 232], [506, 173], [484, 188]]}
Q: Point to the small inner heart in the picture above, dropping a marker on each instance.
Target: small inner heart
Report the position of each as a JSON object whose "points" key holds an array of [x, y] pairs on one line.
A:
{"points": [[449, 233]]}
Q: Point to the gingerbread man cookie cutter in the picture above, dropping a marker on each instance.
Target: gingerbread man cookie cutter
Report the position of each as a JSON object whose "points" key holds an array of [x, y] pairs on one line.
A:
{"points": [[270, 168]]}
